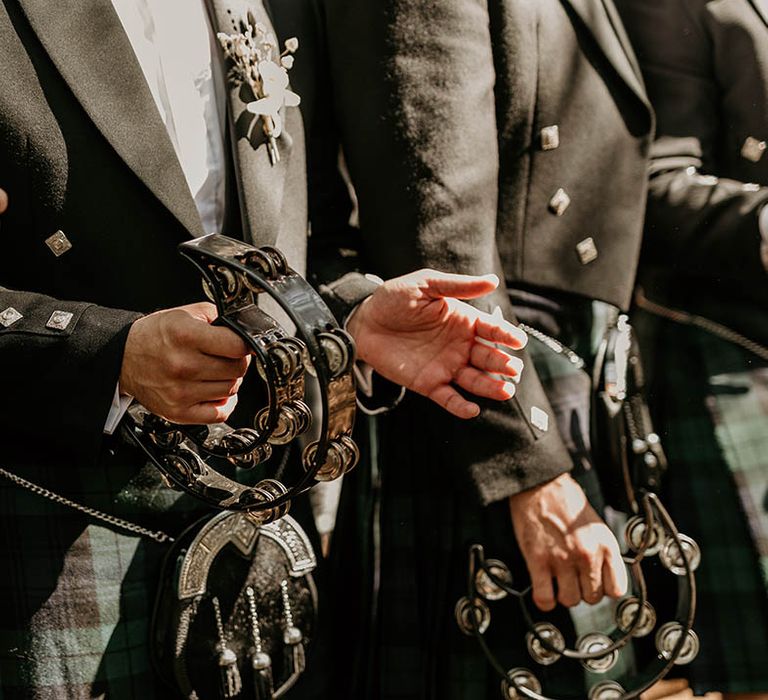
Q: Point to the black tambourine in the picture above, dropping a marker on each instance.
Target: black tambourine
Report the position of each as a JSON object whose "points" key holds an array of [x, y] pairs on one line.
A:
{"points": [[623, 428], [235, 275]]}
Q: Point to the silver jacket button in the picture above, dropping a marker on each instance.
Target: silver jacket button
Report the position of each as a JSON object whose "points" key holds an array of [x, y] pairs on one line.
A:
{"points": [[550, 137], [58, 243], [9, 317], [59, 320], [587, 251], [560, 202]]}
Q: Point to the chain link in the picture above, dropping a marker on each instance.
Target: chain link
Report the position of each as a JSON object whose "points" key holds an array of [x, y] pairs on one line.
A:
{"points": [[705, 324], [554, 345], [157, 536]]}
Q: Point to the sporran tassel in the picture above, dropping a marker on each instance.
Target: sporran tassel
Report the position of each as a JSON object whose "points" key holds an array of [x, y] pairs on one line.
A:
{"points": [[295, 660], [231, 683], [263, 684]]}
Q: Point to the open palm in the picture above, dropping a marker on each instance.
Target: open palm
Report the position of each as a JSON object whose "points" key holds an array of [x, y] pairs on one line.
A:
{"points": [[415, 331]]}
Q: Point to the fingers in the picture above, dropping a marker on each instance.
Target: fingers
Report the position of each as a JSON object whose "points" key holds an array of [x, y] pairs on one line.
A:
{"points": [[568, 588], [217, 369], [490, 359], [453, 402], [591, 579], [543, 591], [481, 384], [221, 342], [614, 573], [438, 285], [3, 201], [497, 330]]}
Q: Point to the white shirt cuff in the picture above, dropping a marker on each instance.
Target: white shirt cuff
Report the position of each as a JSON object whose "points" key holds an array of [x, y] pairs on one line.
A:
{"points": [[120, 404]]}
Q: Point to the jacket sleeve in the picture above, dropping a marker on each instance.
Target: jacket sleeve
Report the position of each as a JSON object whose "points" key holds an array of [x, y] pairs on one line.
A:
{"points": [[413, 98], [699, 224], [58, 379]]}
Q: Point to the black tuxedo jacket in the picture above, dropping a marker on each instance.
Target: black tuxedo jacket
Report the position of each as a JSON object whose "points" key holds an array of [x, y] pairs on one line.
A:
{"points": [[706, 67], [511, 136], [83, 151]]}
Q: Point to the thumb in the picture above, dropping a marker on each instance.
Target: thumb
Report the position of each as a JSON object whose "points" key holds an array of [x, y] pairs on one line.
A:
{"points": [[3, 201], [441, 284]]}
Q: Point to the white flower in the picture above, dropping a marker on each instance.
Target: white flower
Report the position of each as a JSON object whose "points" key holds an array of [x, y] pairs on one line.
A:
{"points": [[274, 88], [292, 45]]}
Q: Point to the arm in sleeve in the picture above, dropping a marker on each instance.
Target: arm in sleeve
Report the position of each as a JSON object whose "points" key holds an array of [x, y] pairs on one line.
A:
{"points": [[698, 224], [414, 105], [58, 379]]}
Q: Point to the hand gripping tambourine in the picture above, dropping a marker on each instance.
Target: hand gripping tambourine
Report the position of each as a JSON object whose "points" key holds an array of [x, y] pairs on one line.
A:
{"points": [[235, 275], [624, 430]]}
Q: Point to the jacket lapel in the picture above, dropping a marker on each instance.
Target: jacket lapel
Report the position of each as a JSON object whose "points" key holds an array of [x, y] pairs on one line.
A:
{"points": [[260, 183], [761, 7], [600, 19], [89, 47]]}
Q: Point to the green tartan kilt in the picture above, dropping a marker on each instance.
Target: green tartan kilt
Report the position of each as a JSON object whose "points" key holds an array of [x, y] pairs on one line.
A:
{"points": [[711, 409]]}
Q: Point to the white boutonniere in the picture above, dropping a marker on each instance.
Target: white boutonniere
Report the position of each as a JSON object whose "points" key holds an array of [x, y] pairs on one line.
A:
{"points": [[259, 64]]}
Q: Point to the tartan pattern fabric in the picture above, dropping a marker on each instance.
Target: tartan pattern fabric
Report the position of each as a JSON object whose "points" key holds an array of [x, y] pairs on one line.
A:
{"points": [[711, 411], [416, 650], [76, 596]]}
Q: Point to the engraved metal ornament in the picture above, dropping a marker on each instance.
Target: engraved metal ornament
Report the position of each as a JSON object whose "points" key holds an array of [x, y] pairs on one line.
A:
{"points": [[9, 316], [235, 276], [58, 243]]}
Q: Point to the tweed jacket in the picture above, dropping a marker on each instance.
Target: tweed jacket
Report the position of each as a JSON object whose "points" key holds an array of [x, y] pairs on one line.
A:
{"points": [[706, 66], [98, 205], [512, 137]]}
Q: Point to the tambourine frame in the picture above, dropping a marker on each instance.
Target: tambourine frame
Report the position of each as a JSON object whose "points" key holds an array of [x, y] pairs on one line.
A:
{"points": [[235, 274]]}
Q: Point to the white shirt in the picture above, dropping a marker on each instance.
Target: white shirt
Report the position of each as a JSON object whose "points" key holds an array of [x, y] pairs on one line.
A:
{"points": [[178, 54]]}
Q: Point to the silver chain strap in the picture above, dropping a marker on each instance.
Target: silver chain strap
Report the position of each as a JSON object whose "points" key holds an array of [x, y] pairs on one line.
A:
{"points": [[705, 324], [157, 536], [554, 345]]}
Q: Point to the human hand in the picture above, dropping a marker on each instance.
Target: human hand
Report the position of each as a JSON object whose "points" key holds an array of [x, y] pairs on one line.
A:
{"points": [[179, 366], [562, 537], [414, 331], [3, 201]]}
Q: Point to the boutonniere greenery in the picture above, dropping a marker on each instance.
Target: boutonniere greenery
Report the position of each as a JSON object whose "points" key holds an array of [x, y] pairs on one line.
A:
{"points": [[262, 70]]}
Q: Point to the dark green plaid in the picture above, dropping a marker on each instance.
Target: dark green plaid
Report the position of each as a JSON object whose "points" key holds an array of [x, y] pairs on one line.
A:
{"points": [[712, 412], [76, 597], [406, 645]]}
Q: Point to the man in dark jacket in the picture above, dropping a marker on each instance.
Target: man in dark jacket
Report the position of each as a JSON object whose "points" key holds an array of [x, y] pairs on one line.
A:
{"points": [[513, 134], [704, 275], [113, 117]]}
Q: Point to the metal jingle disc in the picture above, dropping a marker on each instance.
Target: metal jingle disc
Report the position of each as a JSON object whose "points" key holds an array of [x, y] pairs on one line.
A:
{"points": [[606, 690], [667, 638], [248, 460], [550, 634], [287, 427], [337, 352], [333, 466], [230, 283], [592, 643], [519, 677], [262, 262], [634, 532], [303, 415], [351, 450], [278, 259], [485, 585], [276, 489], [672, 559], [464, 608], [286, 359], [626, 611]]}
